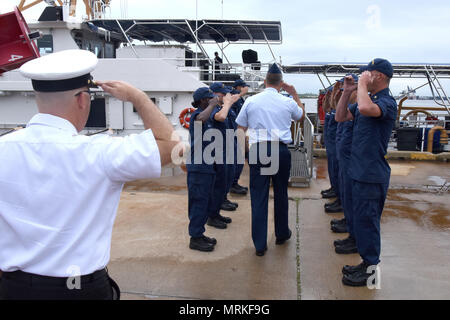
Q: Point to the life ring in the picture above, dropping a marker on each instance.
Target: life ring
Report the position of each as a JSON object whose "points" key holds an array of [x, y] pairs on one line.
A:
{"points": [[185, 117]]}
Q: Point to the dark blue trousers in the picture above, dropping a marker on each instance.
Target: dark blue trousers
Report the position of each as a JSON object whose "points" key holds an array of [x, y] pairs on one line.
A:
{"points": [[218, 191], [231, 171], [333, 172], [200, 186], [345, 184], [238, 167], [259, 193], [368, 203]]}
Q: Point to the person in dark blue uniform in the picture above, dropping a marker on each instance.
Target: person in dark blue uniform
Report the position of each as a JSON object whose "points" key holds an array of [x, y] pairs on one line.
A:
{"points": [[326, 105], [268, 116], [231, 164], [347, 245], [342, 131], [374, 117], [333, 169], [200, 175], [241, 88], [224, 167]]}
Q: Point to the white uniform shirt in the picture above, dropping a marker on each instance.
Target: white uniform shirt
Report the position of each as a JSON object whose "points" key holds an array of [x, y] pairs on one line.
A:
{"points": [[269, 111], [59, 193]]}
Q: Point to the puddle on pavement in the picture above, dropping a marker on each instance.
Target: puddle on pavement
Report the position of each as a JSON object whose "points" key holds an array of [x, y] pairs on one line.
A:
{"points": [[433, 214], [320, 169], [437, 180]]}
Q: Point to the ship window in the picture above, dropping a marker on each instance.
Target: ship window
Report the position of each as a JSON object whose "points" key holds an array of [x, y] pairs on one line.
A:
{"points": [[45, 44], [110, 51], [97, 115]]}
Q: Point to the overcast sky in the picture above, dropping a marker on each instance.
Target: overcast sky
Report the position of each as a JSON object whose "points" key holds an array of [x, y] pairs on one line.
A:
{"points": [[316, 31]]}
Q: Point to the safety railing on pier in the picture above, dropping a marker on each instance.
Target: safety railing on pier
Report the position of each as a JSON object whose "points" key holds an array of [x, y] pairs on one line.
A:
{"points": [[302, 154]]}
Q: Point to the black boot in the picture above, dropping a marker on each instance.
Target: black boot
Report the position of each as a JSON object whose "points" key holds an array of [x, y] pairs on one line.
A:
{"points": [[328, 195], [224, 219], [347, 270], [234, 204], [237, 189], [338, 221], [331, 204], [334, 209], [227, 207], [341, 242], [283, 240], [216, 223], [347, 248], [339, 228], [261, 253], [201, 244], [326, 191], [358, 278]]}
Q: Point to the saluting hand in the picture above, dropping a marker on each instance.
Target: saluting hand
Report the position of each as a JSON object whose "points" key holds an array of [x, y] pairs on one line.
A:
{"points": [[289, 89], [349, 84], [214, 101], [365, 78], [122, 90], [231, 98]]}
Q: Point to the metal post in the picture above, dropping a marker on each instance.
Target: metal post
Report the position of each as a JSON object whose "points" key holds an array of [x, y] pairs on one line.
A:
{"points": [[126, 37], [196, 32]]}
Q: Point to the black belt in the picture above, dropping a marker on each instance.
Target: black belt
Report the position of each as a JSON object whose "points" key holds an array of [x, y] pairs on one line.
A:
{"points": [[35, 279]]}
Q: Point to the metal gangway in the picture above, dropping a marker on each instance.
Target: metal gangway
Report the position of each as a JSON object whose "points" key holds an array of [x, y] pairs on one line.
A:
{"points": [[302, 154]]}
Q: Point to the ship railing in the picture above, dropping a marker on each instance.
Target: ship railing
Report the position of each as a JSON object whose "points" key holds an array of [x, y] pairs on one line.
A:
{"points": [[252, 73], [302, 154]]}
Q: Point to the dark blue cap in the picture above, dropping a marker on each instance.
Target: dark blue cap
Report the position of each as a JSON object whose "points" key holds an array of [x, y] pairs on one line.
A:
{"points": [[274, 69], [381, 65], [219, 87], [202, 93], [355, 77], [240, 83]]}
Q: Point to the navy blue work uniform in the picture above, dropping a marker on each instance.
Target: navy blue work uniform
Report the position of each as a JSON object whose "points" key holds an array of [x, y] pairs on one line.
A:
{"points": [[344, 151], [370, 173], [333, 165], [268, 116], [230, 123], [236, 107], [222, 170], [200, 178]]}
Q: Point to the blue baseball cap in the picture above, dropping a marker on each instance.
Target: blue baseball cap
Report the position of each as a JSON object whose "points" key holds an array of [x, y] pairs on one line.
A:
{"points": [[219, 87], [239, 83], [355, 77], [381, 65], [274, 69], [202, 93]]}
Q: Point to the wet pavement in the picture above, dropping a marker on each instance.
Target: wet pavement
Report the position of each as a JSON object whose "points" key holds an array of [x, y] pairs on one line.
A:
{"points": [[150, 258]]}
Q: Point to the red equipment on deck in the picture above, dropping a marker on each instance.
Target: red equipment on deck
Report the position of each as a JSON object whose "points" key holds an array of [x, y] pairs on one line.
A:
{"points": [[16, 42]]}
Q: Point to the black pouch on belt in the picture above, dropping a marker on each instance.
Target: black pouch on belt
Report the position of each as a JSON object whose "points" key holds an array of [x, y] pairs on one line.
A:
{"points": [[114, 286]]}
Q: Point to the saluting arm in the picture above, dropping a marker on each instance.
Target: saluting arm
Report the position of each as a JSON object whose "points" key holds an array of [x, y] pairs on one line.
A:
{"points": [[291, 90], [204, 115], [152, 117], [228, 101], [342, 112], [365, 105]]}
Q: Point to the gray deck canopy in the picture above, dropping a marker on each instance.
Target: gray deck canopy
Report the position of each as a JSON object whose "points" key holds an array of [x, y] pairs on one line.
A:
{"points": [[206, 31], [401, 70]]}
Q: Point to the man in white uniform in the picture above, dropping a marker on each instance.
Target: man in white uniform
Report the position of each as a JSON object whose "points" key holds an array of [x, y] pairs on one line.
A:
{"points": [[269, 115], [59, 191]]}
